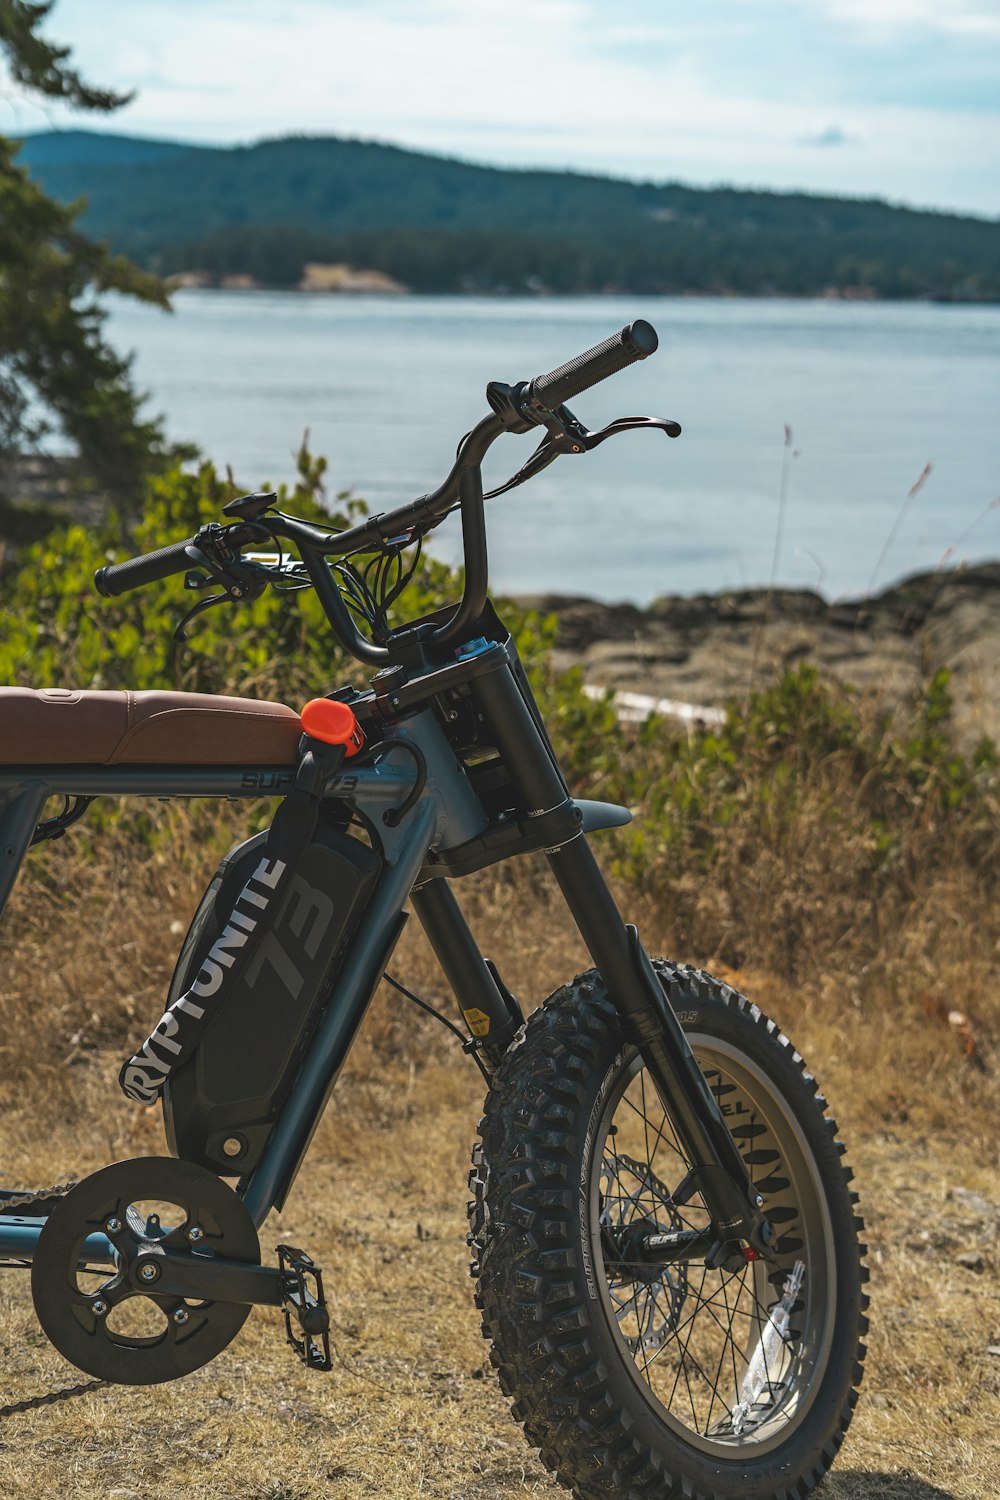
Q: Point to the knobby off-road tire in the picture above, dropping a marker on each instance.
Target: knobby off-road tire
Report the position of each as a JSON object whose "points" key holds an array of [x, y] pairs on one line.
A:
{"points": [[639, 1381]]}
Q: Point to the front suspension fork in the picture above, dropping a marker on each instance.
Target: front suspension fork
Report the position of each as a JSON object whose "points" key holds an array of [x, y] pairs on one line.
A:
{"points": [[717, 1170]]}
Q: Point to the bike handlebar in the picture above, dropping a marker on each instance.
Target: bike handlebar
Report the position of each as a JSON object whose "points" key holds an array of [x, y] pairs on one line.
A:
{"points": [[464, 483], [118, 578], [635, 341]]}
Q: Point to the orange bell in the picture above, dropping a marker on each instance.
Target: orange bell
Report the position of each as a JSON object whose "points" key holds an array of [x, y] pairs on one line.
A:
{"points": [[334, 723]]}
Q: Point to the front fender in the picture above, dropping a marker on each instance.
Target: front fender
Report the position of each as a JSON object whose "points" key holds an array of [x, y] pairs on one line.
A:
{"points": [[597, 815]]}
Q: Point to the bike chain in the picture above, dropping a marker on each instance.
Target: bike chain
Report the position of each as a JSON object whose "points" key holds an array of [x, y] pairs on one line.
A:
{"points": [[31, 1403], [21, 1200], [50, 1398]]}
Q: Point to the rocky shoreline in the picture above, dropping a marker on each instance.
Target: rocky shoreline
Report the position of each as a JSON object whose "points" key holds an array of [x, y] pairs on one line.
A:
{"points": [[710, 649]]}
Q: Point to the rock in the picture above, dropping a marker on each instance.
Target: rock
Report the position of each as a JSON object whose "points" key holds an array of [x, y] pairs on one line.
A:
{"points": [[983, 1207], [931, 1240], [318, 277], [584, 621], [711, 649], [971, 1260]]}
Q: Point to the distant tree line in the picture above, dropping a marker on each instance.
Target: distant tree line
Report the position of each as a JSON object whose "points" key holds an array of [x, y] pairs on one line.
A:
{"points": [[440, 225], [492, 261]]}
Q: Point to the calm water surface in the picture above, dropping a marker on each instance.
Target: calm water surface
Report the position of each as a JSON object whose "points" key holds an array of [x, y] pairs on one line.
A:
{"points": [[871, 393]]}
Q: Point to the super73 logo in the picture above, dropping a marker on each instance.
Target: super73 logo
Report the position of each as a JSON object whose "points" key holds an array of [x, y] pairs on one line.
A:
{"points": [[307, 914]]}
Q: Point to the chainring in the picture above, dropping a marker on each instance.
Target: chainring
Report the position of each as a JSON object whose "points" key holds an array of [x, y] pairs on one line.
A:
{"points": [[80, 1321]]}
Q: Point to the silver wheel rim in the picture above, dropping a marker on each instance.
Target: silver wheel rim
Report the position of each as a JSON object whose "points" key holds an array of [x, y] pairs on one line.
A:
{"points": [[689, 1337]]}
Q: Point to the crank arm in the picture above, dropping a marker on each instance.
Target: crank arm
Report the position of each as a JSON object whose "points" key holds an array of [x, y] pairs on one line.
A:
{"points": [[163, 1274], [159, 1272]]}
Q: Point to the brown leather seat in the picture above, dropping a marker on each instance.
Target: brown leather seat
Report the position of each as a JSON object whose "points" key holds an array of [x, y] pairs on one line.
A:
{"points": [[63, 726]]}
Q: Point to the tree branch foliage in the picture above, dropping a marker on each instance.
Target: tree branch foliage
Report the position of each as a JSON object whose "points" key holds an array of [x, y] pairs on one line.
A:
{"points": [[57, 372], [40, 65]]}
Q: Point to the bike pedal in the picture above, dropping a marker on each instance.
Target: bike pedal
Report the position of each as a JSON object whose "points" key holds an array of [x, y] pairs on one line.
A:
{"points": [[303, 1299]]}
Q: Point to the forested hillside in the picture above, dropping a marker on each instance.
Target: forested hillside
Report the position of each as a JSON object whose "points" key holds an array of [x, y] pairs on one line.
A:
{"points": [[441, 225]]}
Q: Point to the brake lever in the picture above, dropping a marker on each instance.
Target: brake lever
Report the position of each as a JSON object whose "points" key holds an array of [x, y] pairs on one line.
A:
{"points": [[211, 550], [180, 634], [567, 434], [223, 564], [630, 424]]}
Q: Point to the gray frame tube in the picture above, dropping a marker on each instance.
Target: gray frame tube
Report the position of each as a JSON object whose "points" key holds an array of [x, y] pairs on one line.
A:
{"points": [[341, 1019], [18, 821], [24, 791], [383, 785], [18, 1238], [150, 781]]}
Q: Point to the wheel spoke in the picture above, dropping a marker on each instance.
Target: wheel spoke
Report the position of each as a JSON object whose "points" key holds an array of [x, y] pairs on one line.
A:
{"points": [[730, 1344], [681, 1210], [713, 1325], [660, 1136], [715, 1368]]}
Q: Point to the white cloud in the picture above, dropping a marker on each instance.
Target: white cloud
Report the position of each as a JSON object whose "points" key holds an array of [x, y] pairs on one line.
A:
{"points": [[545, 82], [971, 18]]}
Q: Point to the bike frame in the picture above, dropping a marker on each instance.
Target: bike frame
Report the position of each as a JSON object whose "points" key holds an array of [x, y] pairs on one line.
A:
{"points": [[437, 676], [445, 833]]}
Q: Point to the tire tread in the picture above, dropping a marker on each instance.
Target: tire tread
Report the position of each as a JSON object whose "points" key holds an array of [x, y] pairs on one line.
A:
{"points": [[522, 1234]]}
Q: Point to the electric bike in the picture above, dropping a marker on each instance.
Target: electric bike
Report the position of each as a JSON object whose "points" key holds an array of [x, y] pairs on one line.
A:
{"points": [[664, 1237]]}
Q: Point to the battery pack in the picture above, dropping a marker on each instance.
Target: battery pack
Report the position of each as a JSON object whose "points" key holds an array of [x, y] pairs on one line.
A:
{"points": [[219, 1107]]}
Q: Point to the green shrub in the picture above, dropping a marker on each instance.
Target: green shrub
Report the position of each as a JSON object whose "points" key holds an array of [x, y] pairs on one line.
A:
{"points": [[802, 830]]}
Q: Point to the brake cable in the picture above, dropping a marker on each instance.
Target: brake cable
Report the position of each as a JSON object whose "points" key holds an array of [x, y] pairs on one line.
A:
{"points": [[543, 455], [369, 593], [469, 1044]]}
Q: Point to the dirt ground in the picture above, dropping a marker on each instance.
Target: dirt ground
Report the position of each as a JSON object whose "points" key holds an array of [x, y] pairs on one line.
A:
{"points": [[411, 1406]]}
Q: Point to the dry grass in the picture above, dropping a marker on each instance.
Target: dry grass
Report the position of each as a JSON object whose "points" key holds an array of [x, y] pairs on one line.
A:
{"points": [[411, 1407]]}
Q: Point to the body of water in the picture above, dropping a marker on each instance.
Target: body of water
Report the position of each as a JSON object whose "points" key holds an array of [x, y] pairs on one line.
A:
{"points": [[871, 393]]}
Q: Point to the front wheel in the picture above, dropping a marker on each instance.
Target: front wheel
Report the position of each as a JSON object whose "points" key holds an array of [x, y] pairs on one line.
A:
{"points": [[637, 1379]]}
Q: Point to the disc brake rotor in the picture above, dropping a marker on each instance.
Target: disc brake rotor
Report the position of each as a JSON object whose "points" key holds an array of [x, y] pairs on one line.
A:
{"points": [[154, 1338], [647, 1303]]}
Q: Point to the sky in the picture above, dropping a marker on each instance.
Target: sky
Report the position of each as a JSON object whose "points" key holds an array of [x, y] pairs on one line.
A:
{"points": [[898, 99]]}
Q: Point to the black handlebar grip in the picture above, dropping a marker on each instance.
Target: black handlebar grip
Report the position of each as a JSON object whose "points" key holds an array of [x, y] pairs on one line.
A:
{"points": [[118, 578], [636, 341]]}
